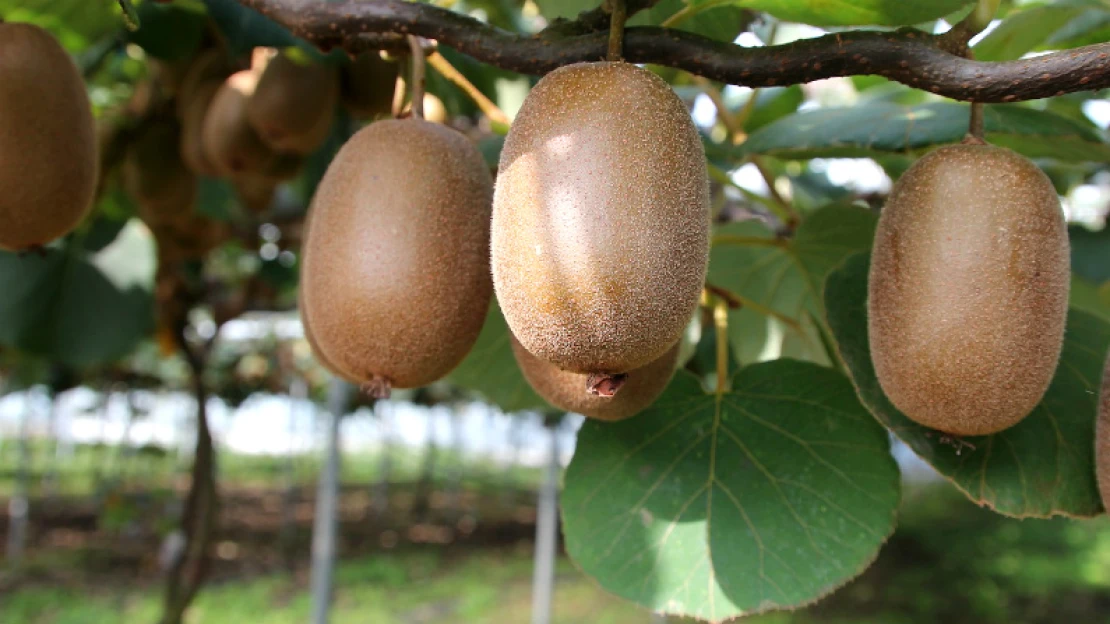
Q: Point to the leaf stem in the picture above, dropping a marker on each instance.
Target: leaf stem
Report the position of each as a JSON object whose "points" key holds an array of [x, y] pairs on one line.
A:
{"points": [[417, 76], [448, 71], [720, 323]]}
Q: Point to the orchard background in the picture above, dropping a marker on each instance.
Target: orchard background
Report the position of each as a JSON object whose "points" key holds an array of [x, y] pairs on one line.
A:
{"points": [[170, 450]]}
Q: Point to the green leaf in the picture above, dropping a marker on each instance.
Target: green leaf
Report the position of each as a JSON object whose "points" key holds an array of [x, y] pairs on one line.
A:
{"points": [[879, 127], [1089, 27], [1090, 252], [720, 22], [772, 104], [170, 32], [490, 369], [1090, 297], [1023, 31], [785, 276], [75, 309], [1041, 467], [853, 12], [768, 497], [566, 9]]}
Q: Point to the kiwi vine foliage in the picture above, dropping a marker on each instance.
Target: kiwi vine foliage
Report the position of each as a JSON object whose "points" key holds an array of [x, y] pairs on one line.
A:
{"points": [[767, 495]]}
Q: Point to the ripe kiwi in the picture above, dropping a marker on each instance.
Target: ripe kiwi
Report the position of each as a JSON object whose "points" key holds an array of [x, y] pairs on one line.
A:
{"points": [[230, 143], [48, 139], [563, 389], [600, 235], [1102, 438], [154, 174], [969, 289], [293, 105], [211, 65], [367, 85], [194, 108], [395, 274]]}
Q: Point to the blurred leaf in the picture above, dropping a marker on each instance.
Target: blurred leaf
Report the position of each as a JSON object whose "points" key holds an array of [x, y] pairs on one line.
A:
{"points": [[567, 9], [1089, 27], [1090, 297], [170, 32], [854, 12], [1090, 253], [772, 104], [76, 23], [879, 127], [490, 369], [785, 276], [78, 310], [1041, 467], [767, 497], [1023, 31], [244, 28], [216, 198], [721, 22]]}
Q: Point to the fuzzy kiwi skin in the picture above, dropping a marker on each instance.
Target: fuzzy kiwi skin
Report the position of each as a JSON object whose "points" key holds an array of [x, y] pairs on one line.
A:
{"points": [[293, 105], [367, 85], [230, 143], [564, 389], [600, 233], [968, 290], [395, 278], [1102, 438], [48, 143]]}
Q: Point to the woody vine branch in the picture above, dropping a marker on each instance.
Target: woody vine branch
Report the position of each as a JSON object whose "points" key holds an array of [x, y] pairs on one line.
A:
{"points": [[915, 58]]}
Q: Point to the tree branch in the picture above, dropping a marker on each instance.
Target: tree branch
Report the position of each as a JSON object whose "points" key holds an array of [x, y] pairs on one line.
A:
{"points": [[911, 57]]}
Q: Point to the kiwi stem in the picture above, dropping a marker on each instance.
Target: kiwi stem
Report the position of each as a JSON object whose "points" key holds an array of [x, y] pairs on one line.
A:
{"points": [[975, 129], [417, 76], [448, 71], [720, 323], [792, 218], [618, 14], [604, 384], [377, 388]]}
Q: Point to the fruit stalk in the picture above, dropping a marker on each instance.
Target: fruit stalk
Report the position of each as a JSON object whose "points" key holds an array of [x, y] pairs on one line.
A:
{"points": [[618, 14], [417, 77]]}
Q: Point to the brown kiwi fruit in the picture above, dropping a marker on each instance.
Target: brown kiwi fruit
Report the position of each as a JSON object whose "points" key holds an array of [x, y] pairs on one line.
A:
{"points": [[395, 274], [564, 389], [255, 192], [194, 109], [293, 106], [229, 141], [211, 65], [367, 84], [154, 174], [48, 139], [1102, 438], [968, 291], [600, 233]]}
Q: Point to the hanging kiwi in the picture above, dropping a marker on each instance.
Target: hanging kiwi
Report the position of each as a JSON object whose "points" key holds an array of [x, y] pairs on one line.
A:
{"points": [[564, 389], [395, 276], [194, 107], [1102, 438], [154, 174], [47, 139], [367, 85], [600, 232], [293, 104], [969, 289], [230, 143], [210, 65]]}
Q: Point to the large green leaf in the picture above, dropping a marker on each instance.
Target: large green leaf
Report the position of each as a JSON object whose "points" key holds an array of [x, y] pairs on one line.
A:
{"points": [[1090, 297], [1041, 467], [1090, 253], [785, 276], [880, 127], [720, 22], [171, 32], [566, 9], [768, 497], [852, 12], [75, 309], [1023, 31], [490, 369]]}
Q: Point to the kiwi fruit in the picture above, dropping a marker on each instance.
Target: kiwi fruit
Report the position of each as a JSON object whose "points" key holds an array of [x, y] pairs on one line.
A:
{"points": [[229, 141], [154, 174], [293, 105], [194, 109], [563, 389], [968, 291], [395, 275], [1102, 438], [600, 231], [211, 65], [48, 139], [367, 85]]}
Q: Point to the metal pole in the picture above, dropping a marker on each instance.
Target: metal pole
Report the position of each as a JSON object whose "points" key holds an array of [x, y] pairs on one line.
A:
{"points": [[18, 506], [325, 527], [547, 529], [298, 391]]}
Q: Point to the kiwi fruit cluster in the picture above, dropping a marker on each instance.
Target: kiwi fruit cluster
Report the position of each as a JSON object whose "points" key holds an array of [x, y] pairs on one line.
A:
{"points": [[47, 135], [968, 290]]}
